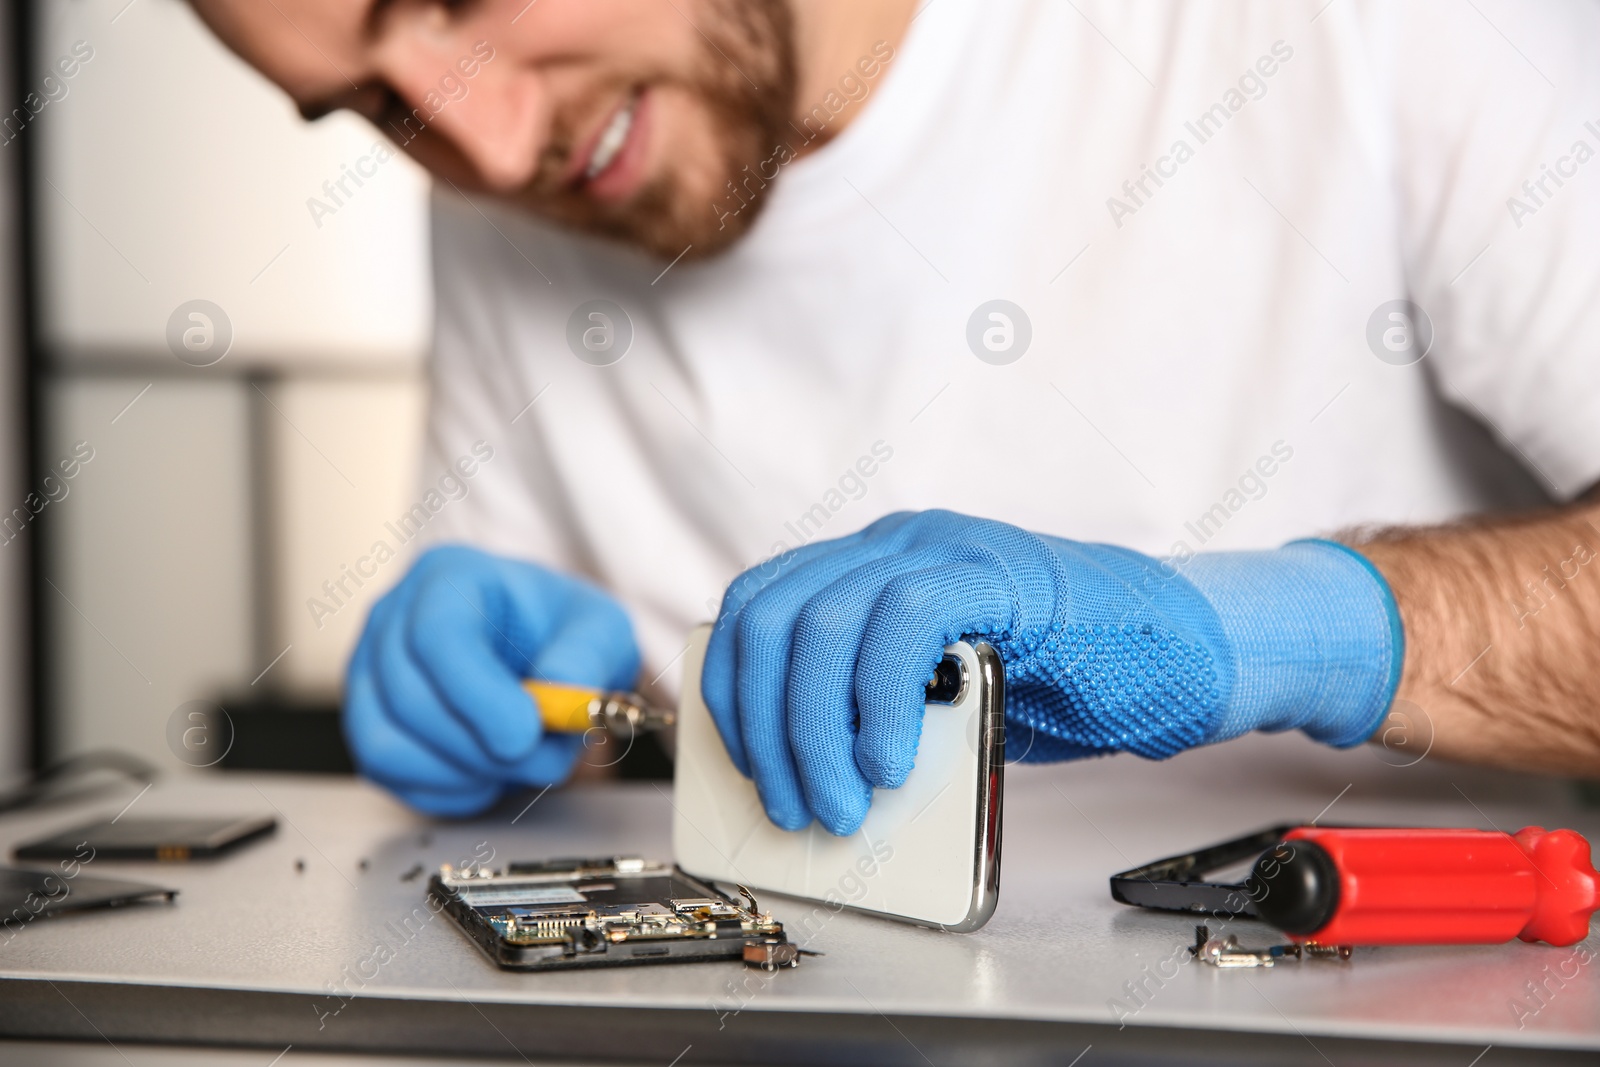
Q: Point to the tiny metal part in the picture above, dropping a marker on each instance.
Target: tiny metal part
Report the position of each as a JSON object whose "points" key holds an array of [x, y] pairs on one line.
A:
{"points": [[770, 955], [749, 898], [624, 715], [1226, 952], [1321, 951], [412, 874], [692, 904]]}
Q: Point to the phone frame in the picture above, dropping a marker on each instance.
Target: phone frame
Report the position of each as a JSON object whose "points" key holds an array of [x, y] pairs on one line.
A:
{"points": [[992, 773], [983, 683]]}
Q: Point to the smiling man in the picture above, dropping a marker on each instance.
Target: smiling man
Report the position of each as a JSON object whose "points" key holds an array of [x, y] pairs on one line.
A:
{"points": [[618, 117], [1161, 294]]}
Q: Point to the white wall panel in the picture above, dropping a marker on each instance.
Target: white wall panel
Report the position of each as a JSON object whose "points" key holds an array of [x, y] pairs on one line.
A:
{"points": [[174, 172], [151, 592], [345, 455]]}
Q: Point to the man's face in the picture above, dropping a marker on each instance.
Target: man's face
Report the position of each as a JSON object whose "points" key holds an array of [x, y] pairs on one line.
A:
{"points": [[621, 117]]}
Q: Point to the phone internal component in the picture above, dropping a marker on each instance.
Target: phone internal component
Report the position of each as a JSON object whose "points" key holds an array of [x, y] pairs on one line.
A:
{"points": [[605, 912]]}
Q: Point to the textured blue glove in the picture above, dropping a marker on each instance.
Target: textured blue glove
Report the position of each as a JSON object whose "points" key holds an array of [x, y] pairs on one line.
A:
{"points": [[434, 706], [816, 667]]}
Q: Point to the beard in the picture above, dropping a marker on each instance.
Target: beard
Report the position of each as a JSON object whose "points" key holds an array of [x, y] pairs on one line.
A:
{"points": [[744, 81]]}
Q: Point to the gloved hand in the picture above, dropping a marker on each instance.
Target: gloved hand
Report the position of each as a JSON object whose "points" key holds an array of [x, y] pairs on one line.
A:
{"points": [[816, 666], [434, 706]]}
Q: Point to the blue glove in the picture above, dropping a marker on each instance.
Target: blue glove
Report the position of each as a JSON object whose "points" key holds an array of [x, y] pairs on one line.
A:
{"points": [[434, 705], [816, 666]]}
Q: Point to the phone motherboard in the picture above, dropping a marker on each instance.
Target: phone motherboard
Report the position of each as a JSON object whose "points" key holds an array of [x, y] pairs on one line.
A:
{"points": [[560, 914]]}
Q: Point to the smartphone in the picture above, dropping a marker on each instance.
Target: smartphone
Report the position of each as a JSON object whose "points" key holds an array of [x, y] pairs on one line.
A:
{"points": [[167, 840], [573, 914], [928, 852]]}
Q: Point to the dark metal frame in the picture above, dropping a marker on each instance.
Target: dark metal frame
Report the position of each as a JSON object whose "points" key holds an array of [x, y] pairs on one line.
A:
{"points": [[34, 547], [1178, 883]]}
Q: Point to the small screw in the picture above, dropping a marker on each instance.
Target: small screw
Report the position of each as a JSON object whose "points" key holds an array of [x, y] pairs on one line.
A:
{"points": [[300, 866]]}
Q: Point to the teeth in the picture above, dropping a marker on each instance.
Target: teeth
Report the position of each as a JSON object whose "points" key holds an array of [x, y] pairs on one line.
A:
{"points": [[611, 141]]}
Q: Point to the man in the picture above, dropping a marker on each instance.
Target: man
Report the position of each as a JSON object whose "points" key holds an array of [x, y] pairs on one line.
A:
{"points": [[750, 275]]}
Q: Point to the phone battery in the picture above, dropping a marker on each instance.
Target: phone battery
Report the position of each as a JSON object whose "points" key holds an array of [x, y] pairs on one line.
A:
{"points": [[166, 840]]}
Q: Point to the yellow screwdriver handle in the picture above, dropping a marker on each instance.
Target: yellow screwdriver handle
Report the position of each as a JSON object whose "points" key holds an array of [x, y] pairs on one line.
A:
{"points": [[564, 709]]}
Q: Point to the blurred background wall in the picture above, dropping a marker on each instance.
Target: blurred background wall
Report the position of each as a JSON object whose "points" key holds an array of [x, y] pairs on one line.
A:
{"points": [[223, 466]]}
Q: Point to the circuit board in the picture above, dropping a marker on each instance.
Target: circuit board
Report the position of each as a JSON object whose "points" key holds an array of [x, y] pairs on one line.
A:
{"points": [[563, 914]]}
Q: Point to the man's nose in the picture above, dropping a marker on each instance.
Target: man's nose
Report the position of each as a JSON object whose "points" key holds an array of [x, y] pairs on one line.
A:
{"points": [[493, 109]]}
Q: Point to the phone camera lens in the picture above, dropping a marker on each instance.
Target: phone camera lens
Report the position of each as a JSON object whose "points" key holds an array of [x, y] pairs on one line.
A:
{"points": [[948, 681]]}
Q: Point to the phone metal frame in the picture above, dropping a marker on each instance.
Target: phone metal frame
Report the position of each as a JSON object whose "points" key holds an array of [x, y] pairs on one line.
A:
{"points": [[983, 679], [991, 793]]}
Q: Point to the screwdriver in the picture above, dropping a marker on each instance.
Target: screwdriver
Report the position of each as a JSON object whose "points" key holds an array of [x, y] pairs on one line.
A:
{"points": [[1370, 886], [577, 709]]}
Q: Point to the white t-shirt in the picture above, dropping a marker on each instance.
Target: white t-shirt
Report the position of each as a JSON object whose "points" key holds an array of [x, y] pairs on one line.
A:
{"points": [[1199, 374]]}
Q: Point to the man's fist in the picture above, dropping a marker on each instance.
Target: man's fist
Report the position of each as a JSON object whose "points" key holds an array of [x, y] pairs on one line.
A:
{"points": [[434, 704]]}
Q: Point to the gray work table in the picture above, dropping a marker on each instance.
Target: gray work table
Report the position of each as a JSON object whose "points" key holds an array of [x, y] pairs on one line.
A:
{"points": [[247, 954]]}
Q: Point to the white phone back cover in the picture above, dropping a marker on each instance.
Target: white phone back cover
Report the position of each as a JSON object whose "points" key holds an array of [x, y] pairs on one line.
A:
{"points": [[914, 857]]}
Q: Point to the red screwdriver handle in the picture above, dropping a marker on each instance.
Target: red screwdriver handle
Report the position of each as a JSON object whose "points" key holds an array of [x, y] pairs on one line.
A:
{"points": [[1428, 887], [1569, 889]]}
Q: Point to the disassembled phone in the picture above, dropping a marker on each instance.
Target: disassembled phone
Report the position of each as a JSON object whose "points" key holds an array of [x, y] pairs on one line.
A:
{"points": [[167, 840], [563, 914], [929, 851], [25, 894]]}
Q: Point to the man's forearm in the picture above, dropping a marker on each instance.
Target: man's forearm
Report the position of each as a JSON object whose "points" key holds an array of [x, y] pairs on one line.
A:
{"points": [[1502, 625]]}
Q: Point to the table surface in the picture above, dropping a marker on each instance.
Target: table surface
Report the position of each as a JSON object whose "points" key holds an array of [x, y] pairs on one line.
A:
{"points": [[253, 944]]}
